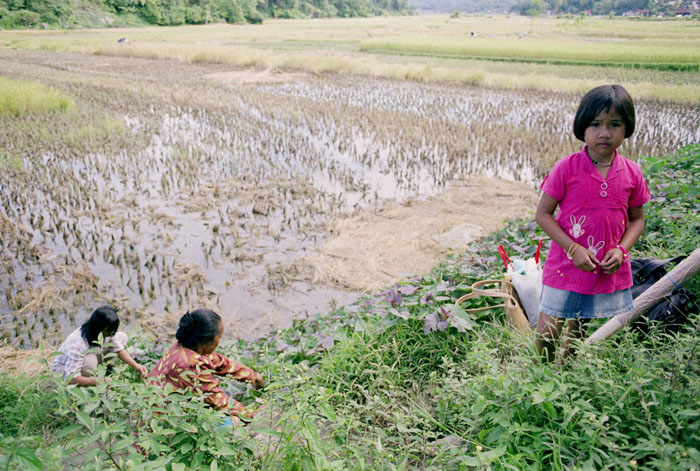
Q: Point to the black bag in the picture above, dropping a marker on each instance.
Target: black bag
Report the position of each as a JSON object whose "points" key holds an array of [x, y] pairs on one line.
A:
{"points": [[671, 312]]}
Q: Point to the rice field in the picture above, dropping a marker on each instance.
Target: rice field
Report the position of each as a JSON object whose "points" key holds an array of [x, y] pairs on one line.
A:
{"points": [[172, 182], [496, 52]]}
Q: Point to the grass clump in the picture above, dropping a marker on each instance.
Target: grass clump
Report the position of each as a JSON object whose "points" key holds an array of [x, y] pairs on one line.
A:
{"points": [[20, 98]]}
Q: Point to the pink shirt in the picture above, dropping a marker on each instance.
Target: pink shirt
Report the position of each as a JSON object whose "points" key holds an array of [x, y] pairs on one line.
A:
{"points": [[593, 212]]}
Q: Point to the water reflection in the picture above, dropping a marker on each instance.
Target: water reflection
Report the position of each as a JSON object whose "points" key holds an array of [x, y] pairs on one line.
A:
{"points": [[218, 208]]}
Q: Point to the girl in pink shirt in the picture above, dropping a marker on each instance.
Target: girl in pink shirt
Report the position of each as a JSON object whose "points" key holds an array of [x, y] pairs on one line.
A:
{"points": [[600, 196]]}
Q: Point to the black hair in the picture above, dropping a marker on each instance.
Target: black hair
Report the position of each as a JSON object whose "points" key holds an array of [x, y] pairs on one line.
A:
{"points": [[600, 99], [198, 328], [104, 320]]}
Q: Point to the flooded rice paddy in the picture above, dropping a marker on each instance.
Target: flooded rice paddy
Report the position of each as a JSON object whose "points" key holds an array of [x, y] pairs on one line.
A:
{"points": [[212, 193]]}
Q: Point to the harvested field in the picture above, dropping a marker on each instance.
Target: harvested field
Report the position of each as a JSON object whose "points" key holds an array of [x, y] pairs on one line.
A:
{"points": [[170, 186]]}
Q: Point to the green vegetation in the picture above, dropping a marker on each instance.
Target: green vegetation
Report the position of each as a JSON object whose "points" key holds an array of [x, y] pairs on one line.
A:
{"points": [[19, 98], [634, 55], [603, 7], [98, 13], [405, 379]]}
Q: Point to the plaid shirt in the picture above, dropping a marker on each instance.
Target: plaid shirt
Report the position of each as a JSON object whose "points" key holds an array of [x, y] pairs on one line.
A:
{"points": [[72, 353], [180, 359]]}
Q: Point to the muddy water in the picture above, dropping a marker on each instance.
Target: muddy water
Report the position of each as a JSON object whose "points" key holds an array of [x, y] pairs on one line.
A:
{"points": [[226, 188]]}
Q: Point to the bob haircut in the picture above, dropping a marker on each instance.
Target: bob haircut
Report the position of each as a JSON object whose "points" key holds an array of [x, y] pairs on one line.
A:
{"points": [[104, 320], [604, 98], [197, 328]]}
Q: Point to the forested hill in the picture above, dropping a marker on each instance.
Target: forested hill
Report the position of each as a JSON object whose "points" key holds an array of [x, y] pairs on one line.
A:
{"points": [[611, 7], [467, 6], [533, 7], [97, 13]]}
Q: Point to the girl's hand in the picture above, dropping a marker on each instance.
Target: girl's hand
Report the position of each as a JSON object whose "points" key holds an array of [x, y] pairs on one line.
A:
{"points": [[258, 381], [143, 371], [612, 261], [584, 260]]}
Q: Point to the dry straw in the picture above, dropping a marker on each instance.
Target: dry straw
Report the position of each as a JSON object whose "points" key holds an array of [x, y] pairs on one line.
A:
{"points": [[374, 249]]}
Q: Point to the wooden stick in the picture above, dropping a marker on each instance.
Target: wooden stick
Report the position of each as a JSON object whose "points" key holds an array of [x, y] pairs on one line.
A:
{"points": [[649, 298]]}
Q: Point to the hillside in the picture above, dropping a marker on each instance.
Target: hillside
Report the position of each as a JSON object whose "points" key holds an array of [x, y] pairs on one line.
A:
{"points": [[117, 13]]}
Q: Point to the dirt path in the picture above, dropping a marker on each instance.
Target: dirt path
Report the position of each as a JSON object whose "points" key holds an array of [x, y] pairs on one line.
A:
{"points": [[373, 249]]}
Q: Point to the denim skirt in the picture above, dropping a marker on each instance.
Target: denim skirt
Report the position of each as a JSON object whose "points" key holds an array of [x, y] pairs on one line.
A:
{"points": [[569, 305]]}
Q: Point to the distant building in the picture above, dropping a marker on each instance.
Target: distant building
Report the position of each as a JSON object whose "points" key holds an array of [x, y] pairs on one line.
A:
{"points": [[637, 12]]}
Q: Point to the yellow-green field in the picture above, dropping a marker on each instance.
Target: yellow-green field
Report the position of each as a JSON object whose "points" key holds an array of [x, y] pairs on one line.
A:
{"points": [[654, 59], [20, 98]]}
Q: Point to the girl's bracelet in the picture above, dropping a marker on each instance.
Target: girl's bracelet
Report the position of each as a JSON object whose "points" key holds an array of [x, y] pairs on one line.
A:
{"points": [[622, 249], [572, 250]]}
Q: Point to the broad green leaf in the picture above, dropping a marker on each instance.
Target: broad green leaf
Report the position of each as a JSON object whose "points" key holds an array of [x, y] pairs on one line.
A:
{"points": [[85, 420], [123, 443], [225, 450], [188, 427], [479, 407], [186, 447], [538, 397], [549, 408], [29, 458], [491, 455]]}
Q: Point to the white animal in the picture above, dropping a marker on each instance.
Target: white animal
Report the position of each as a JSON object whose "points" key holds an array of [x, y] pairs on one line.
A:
{"points": [[593, 247], [576, 229]]}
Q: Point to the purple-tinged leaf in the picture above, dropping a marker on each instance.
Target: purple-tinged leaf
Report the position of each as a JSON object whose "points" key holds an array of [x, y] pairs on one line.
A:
{"points": [[407, 290], [444, 287], [444, 313], [431, 322], [325, 342], [378, 312], [435, 321], [281, 347], [393, 297], [403, 313], [428, 298], [459, 318]]}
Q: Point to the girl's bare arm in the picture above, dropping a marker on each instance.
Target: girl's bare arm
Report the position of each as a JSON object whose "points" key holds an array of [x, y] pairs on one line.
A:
{"points": [[582, 258], [126, 358]]}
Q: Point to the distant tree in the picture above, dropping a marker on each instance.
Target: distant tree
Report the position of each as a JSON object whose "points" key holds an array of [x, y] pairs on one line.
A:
{"points": [[30, 13], [531, 7]]}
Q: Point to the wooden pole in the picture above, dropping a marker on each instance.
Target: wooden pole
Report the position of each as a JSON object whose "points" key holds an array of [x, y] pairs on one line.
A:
{"points": [[649, 298]]}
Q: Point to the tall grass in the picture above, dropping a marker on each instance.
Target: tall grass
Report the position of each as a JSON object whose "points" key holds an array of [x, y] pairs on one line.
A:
{"points": [[20, 98]]}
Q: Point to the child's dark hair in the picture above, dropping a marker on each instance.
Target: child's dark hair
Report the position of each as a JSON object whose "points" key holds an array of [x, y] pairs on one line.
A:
{"points": [[604, 98], [197, 328], [104, 320]]}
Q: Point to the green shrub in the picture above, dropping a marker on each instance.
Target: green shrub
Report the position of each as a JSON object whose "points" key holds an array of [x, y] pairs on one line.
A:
{"points": [[27, 405], [23, 19]]}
